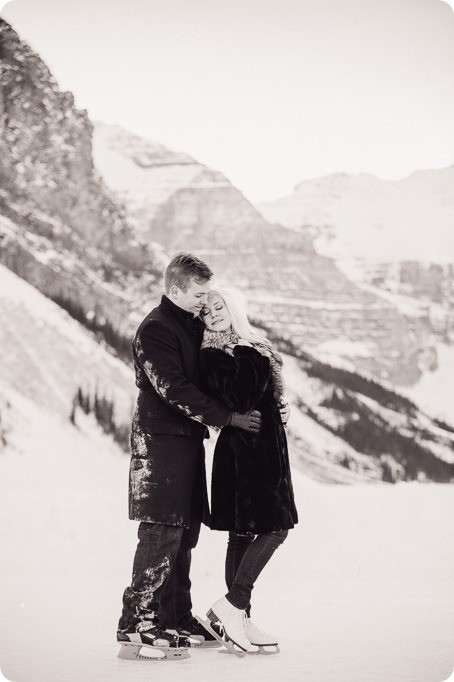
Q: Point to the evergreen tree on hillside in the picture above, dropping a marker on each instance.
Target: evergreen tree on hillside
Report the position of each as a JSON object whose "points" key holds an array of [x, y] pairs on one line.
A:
{"points": [[103, 409], [120, 344]]}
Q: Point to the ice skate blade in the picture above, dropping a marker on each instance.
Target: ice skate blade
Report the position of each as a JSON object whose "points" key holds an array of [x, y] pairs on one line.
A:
{"points": [[228, 643], [130, 651], [264, 649]]}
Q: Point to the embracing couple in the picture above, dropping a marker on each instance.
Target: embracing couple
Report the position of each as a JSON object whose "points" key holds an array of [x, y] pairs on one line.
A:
{"points": [[199, 363]]}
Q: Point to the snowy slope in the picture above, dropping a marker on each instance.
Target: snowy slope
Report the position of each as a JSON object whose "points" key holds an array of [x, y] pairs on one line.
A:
{"points": [[368, 593], [325, 416], [47, 355], [435, 390], [383, 220], [314, 449]]}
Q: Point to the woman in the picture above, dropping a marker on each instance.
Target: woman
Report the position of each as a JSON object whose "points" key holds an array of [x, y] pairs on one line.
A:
{"points": [[252, 495]]}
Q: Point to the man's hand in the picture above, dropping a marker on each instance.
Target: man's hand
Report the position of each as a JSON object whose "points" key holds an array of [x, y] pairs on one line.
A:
{"points": [[284, 409], [251, 421]]}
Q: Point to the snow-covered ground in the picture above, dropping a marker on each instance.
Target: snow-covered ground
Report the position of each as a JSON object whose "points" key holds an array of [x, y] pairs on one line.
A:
{"points": [[362, 590]]}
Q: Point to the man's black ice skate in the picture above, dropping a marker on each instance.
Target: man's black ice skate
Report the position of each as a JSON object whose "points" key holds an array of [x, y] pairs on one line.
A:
{"points": [[198, 634], [158, 644]]}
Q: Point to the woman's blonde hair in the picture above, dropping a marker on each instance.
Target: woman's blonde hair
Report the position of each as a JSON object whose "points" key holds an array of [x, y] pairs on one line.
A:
{"points": [[236, 305]]}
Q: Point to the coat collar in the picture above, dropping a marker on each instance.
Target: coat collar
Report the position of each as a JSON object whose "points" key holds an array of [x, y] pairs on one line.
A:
{"points": [[184, 315]]}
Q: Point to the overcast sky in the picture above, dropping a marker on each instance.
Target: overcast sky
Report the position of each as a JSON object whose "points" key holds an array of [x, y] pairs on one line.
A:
{"points": [[270, 92]]}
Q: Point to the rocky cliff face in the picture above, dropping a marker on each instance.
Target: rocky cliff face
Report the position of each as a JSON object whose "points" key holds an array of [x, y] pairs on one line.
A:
{"points": [[46, 146], [393, 238], [60, 228], [178, 202]]}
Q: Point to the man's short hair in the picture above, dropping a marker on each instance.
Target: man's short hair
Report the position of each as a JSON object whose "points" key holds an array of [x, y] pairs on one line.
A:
{"points": [[183, 268]]}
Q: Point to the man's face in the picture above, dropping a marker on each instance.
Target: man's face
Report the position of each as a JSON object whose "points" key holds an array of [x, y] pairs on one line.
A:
{"points": [[193, 299]]}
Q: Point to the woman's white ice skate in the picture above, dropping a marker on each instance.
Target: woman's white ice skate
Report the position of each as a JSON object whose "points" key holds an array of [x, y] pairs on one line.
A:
{"points": [[262, 642], [226, 624]]}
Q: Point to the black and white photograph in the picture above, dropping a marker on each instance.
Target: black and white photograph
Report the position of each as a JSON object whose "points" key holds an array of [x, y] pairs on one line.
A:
{"points": [[227, 340]]}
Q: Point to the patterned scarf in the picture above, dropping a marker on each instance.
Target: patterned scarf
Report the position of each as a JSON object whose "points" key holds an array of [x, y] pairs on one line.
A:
{"points": [[227, 339]]}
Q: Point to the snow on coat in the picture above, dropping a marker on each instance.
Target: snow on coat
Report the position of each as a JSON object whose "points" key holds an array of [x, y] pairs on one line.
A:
{"points": [[167, 471]]}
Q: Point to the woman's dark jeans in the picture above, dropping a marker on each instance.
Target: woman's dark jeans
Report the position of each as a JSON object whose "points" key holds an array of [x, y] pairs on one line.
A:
{"points": [[160, 591], [247, 555]]}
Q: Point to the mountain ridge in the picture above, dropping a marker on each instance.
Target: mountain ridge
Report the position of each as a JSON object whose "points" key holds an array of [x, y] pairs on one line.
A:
{"points": [[363, 216]]}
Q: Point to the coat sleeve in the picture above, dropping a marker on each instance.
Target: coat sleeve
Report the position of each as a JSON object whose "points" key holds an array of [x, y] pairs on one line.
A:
{"points": [[158, 352], [238, 381]]}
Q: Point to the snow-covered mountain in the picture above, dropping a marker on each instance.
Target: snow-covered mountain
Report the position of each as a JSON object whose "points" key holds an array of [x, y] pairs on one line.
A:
{"points": [[174, 201], [394, 239], [98, 246], [361, 216], [145, 174]]}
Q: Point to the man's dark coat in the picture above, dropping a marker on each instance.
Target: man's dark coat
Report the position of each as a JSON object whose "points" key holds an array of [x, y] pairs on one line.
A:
{"points": [[251, 487], [167, 473]]}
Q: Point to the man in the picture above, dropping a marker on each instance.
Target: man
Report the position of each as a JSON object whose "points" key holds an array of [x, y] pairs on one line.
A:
{"points": [[167, 485]]}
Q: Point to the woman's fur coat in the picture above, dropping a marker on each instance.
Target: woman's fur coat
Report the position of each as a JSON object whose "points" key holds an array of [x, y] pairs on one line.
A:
{"points": [[251, 481]]}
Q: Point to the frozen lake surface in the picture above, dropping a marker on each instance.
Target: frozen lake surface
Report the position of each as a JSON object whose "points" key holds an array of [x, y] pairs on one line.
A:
{"points": [[361, 591]]}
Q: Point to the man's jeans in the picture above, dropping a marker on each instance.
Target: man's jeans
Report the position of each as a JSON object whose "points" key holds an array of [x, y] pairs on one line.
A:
{"points": [[247, 555], [160, 591]]}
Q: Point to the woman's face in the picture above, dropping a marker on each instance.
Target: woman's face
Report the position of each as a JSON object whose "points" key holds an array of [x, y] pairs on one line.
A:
{"points": [[215, 314]]}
